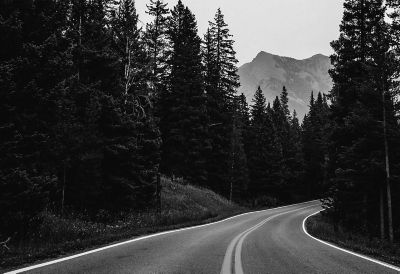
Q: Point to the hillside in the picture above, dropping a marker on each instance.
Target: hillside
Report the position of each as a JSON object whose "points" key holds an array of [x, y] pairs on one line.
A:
{"points": [[182, 205], [300, 77]]}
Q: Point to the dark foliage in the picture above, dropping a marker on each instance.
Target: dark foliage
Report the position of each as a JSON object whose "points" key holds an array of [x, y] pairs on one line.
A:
{"points": [[93, 108], [364, 139], [72, 136], [221, 83], [183, 105]]}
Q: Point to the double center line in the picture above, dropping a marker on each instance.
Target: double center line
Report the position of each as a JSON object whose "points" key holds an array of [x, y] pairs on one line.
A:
{"points": [[232, 259]]}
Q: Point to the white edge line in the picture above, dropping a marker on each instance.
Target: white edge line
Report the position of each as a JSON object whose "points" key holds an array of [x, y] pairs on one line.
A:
{"points": [[345, 250], [138, 239]]}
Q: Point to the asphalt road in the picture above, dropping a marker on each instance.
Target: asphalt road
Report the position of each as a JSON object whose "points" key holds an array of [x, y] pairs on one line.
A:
{"points": [[270, 241]]}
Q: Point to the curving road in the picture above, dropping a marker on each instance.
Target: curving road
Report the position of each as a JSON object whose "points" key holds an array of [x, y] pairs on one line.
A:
{"points": [[269, 241]]}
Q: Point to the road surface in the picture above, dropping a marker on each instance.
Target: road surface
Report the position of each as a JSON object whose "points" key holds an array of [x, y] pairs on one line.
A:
{"points": [[270, 241]]}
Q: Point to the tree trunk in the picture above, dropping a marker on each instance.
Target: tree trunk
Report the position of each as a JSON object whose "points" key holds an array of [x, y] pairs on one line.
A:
{"points": [[158, 193], [80, 47], [127, 75], [387, 171], [232, 172], [382, 213], [63, 191]]}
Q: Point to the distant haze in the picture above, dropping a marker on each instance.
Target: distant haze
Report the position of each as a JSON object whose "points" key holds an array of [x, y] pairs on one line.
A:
{"points": [[295, 28]]}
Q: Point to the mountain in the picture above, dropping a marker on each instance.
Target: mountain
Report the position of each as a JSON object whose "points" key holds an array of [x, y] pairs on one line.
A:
{"points": [[300, 77]]}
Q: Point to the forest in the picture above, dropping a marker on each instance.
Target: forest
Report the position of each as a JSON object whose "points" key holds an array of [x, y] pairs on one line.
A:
{"points": [[95, 107]]}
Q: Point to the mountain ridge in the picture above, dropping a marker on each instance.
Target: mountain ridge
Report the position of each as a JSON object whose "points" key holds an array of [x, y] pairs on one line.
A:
{"points": [[288, 57], [271, 72]]}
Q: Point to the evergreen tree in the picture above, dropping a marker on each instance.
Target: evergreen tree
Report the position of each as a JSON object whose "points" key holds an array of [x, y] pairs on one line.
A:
{"points": [[239, 175], [31, 65], [244, 111], [257, 145], [280, 126], [285, 102], [184, 117], [260, 148], [296, 162], [393, 93], [287, 167], [359, 161], [221, 82], [208, 54], [314, 138], [93, 79], [129, 45], [157, 43], [131, 152]]}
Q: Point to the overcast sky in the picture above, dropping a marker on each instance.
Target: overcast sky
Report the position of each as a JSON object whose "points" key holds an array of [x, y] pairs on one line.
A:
{"points": [[293, 28]]}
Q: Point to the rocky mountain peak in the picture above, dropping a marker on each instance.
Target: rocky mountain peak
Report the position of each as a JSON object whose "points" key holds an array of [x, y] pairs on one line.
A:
{"points": [[272, 72]]}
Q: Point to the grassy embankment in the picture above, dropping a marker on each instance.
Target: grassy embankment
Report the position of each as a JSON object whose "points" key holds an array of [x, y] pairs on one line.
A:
{"points": [[322, 228], [182, 205]]}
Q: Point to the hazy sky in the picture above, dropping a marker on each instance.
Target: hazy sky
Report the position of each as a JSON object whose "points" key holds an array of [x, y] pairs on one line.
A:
{"points": [[294, 28]]}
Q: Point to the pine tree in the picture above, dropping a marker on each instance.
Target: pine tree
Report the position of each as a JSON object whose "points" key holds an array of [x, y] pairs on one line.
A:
{"points": [[131, 157], [394, 105], [257, 154], [184, 117], [85, 89], [157, 43], [295, 162], [314, 139], [31, 65], [361, 77], [208, 54], [287, 166], [285, 102], [239, 176], [127, 40], [260, 149], [294, 123], [280, 169], [244, 110], [221, 83]]}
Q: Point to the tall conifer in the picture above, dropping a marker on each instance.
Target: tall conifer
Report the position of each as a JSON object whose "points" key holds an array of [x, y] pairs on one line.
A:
{"points": [[361, 77], [221, 81], [157, 43], [184, 117]]}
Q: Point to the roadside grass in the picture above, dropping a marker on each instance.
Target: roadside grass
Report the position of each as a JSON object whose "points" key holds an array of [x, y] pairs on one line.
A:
{"points": [[182, 206], [321, 227]]}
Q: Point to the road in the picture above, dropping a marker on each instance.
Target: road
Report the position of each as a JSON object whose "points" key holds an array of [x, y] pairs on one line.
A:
{"points": [[270, 241]]}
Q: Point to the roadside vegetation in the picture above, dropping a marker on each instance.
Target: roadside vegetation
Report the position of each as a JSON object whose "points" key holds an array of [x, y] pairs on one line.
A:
{"points": [[322, 227], [182, 205]]}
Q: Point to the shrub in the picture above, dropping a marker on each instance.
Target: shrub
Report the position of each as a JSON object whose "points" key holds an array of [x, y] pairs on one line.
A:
{"points": [[266, 201], [22, 197]]}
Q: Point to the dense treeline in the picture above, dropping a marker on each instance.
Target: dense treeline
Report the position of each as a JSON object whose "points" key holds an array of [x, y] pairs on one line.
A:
{"points": [[93, 108], [351, 139], [363, 143], [77, 129], [274, 151], [348, 147]]}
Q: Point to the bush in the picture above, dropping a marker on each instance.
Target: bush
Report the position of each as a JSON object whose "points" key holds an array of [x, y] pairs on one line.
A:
{"points": [[22, 197], [322, 227], [57, 230], [265, 201]]}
